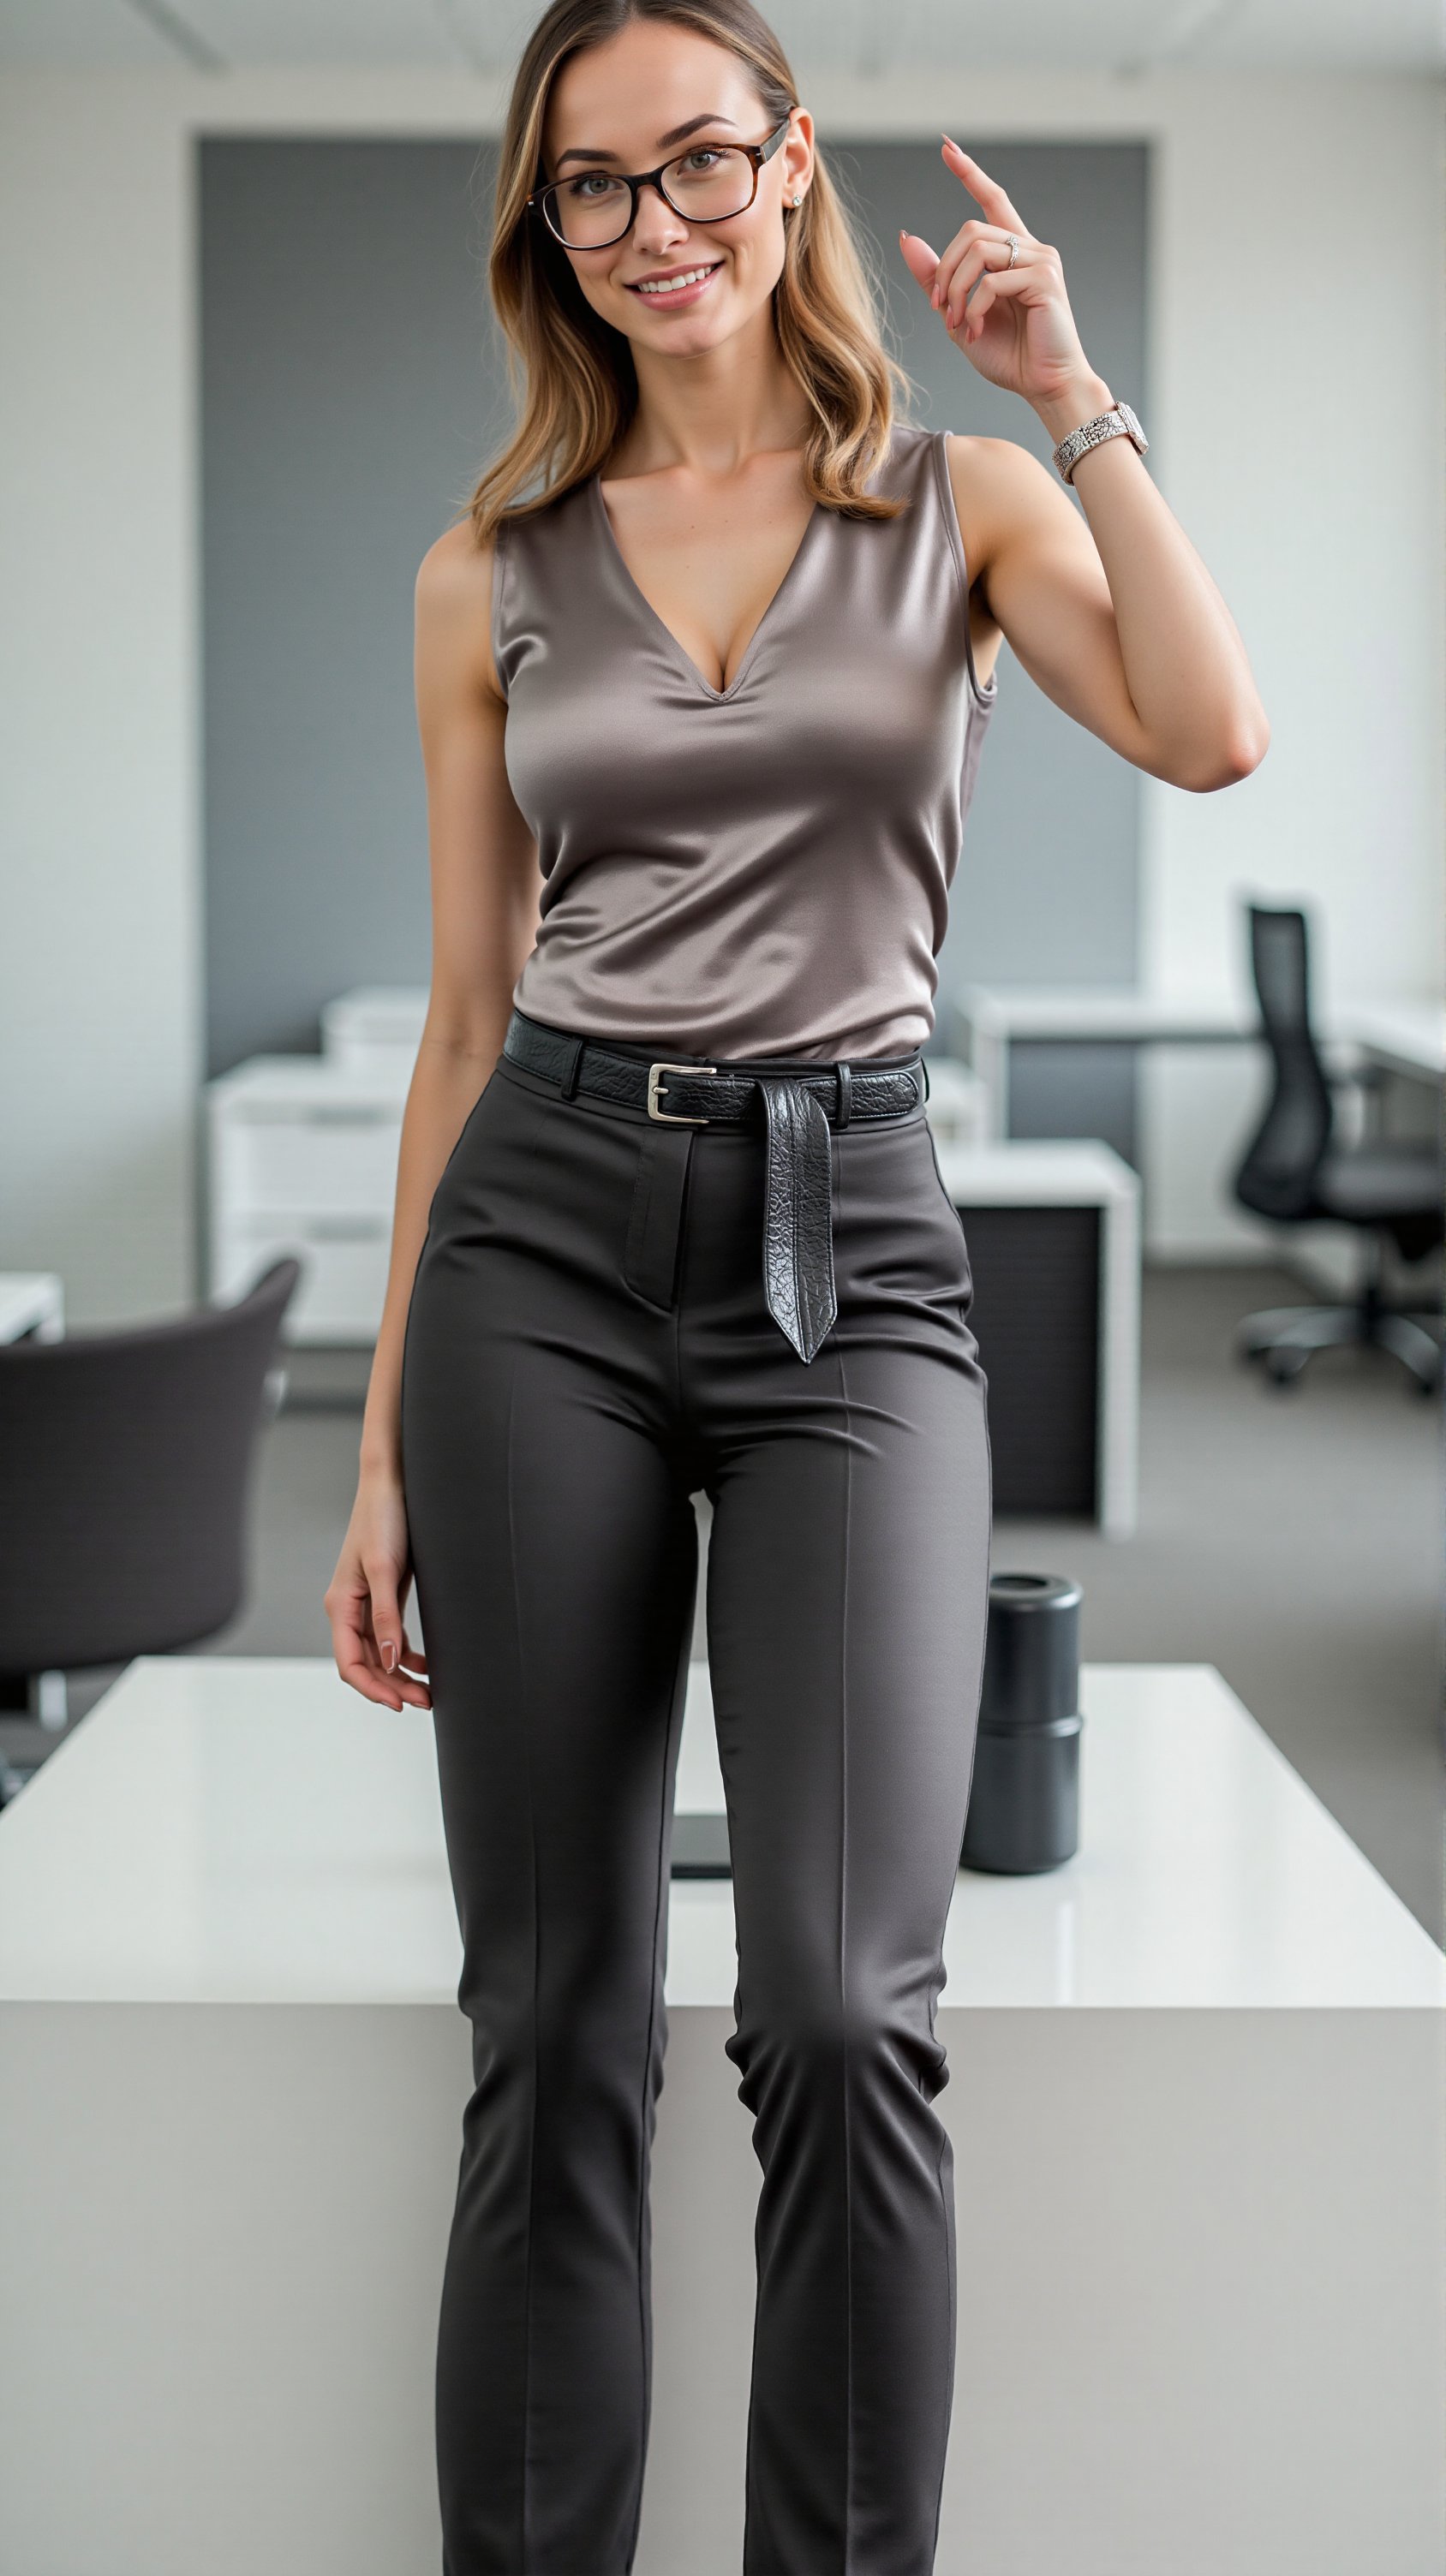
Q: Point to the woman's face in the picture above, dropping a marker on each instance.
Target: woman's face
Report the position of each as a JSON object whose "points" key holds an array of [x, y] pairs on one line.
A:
{"points": [[651, 92]]}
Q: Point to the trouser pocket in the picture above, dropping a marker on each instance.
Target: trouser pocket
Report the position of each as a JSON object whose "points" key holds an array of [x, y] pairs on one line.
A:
{"points": [[655, 1222]]}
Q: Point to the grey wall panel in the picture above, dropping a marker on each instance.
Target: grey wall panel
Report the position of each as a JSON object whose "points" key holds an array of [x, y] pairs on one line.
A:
{"points": [[1047, 886], [1058, 1089], [350, 389]]}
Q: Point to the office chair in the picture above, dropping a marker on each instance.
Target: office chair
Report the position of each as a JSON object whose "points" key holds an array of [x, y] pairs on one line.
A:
{"points": [[125, 1460], [1295, 1173]]}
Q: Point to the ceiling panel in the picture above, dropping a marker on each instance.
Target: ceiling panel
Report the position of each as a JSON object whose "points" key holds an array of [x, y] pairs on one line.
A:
{"points": [[861, 36], [104, 33], [1401, 35], [381, 32]]}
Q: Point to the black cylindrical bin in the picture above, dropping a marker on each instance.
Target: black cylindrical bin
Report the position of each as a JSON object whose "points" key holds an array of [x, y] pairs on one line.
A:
{"points": [[1024, 1803]]}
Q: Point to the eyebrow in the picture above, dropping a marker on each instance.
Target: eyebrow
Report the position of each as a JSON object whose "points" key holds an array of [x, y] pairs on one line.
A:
{"points": [[680, 133]]}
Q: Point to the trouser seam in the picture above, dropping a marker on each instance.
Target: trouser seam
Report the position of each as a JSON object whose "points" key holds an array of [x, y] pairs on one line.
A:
{"points": [[643, 2127], [536, 1973], [951, 2341], [843, 1940]]}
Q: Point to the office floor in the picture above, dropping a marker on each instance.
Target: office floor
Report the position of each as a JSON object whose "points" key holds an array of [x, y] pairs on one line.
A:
{"points": [[1294, 1540]]}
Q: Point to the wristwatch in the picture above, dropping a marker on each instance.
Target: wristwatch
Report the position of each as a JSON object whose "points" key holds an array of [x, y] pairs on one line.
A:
{"points": [[1118, 422]]}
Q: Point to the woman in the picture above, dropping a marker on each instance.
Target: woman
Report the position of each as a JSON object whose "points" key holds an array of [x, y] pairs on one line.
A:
{"points": [[702, 681]]}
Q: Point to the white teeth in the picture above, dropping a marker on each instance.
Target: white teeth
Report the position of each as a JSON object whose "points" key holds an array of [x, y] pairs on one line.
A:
{"points": [[670, 285]]}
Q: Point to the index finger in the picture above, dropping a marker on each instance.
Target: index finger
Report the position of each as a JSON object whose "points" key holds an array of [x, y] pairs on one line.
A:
{"points": [[996, 204]]}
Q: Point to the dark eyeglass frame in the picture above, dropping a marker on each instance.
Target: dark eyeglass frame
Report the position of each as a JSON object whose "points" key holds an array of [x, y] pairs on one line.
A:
{"points": [[754, 153]]}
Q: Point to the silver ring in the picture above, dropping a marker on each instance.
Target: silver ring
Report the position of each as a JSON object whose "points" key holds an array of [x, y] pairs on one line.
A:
{"points": [[1013, 241]]}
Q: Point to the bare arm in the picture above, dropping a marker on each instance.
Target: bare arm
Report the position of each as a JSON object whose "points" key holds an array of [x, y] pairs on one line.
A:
{"points": [[484, 921], [1113, 614]]}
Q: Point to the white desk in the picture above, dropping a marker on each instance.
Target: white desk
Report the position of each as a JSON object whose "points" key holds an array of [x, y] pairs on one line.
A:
{"points": [[1035, 1174], [1407, 1036], [1404, 1038], [1195, 2100], [997, 1016]]}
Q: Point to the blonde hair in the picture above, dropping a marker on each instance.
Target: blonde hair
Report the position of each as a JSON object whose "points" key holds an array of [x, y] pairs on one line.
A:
{"points": [[572, 374]]}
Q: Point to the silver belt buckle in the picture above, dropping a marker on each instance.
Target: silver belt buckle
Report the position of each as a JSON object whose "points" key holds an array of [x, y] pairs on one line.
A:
{"points": [[670, 1117]]}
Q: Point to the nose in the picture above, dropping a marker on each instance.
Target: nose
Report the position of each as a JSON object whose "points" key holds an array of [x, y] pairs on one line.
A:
{"points": [[656, 223]]}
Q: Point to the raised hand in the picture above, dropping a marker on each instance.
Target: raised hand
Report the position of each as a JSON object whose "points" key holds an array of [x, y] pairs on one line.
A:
{"points": [[1013, 323]]}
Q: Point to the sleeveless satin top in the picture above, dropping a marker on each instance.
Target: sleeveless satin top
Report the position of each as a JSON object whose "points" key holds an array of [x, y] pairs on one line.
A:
{"points": [[762, 869]]}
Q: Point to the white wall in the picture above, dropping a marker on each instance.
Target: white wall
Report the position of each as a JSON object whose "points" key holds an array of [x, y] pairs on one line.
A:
{"points": [[1297, 429], [1299, 339], [100, 1015]]}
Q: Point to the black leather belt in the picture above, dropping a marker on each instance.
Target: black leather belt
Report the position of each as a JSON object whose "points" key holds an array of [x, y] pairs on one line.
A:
{"points": [[801, 1104]]}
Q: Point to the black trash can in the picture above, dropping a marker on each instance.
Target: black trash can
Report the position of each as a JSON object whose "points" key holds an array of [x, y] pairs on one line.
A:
{"points": [[1024, 1802]]}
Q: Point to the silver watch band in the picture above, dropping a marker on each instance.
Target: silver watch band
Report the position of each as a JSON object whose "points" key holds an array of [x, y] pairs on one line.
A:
{"points": [[1118, 422]]}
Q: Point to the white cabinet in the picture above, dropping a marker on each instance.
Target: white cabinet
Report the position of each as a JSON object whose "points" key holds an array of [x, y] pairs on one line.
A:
{"points": [[303, 1160], [375, 1030]]}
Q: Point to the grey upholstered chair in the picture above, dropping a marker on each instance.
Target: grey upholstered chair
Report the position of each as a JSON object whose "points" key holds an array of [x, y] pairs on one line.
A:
{"points": [[1295, 1172], [125, 1462]]}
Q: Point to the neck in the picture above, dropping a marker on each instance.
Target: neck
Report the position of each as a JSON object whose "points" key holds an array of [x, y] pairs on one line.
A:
{"points": [[710, 413]]}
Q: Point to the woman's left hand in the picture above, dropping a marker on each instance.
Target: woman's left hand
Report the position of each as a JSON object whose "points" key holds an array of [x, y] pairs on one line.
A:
{"points": [[1013, 324]]}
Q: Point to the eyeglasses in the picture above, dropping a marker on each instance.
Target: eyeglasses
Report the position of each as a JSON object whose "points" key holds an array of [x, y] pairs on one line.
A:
{"points": [[707, 184]]}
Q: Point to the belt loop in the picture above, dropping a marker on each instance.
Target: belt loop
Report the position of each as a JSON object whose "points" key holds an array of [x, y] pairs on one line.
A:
{"points": [[569, 1079], [924, 1069], [845, 1093]]}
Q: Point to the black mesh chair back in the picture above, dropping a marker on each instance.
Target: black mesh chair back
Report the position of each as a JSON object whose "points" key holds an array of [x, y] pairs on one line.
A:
{"points": [[1277, 1173], [124, 1467]]}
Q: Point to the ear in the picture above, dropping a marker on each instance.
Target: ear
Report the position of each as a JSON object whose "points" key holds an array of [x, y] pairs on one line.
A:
{"points": [[797, 157]]}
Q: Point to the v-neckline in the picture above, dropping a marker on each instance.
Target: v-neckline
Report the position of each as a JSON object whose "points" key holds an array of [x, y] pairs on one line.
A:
{"points": [[681, 653]]}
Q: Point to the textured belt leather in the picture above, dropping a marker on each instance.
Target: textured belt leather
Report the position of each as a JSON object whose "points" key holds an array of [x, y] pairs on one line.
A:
{"points": [[801, 1103]]}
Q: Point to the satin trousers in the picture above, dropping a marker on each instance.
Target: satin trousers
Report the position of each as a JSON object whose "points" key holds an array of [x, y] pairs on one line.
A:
{"points": [[587, 1347]]}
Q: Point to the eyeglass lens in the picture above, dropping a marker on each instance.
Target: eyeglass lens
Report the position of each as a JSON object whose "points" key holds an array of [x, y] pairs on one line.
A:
{"points": [[704, 186]]}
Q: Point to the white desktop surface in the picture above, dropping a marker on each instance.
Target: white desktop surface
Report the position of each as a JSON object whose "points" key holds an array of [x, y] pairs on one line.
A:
{"points": [[1405, 1037], [1036, 1172], [281, 1086], [220, 1830], [1123, 1013], [1407, 1030]]}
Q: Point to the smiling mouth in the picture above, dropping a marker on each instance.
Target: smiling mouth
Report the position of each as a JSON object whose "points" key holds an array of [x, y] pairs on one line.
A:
{"points": [[671, 290]]}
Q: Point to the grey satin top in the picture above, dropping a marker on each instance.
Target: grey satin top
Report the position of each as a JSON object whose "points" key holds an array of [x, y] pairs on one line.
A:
{"points": [[762, 869]]}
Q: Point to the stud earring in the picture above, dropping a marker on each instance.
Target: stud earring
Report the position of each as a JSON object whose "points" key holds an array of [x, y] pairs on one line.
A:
{"points": [[798, 200]]}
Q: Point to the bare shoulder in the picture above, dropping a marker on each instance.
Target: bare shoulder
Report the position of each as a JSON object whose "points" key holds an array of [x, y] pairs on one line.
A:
{"points": [[1001, 490], [454, 604], [455, 568]]}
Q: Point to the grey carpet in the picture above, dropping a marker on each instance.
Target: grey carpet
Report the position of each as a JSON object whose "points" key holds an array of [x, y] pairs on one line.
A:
{"points": [[1292, 1538]]}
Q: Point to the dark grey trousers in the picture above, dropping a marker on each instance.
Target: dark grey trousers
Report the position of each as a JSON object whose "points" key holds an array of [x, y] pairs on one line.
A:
{"points": [[588, 1345]]}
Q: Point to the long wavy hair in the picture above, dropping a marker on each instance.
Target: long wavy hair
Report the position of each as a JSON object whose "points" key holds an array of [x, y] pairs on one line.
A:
{"points": [[573, 380]]}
